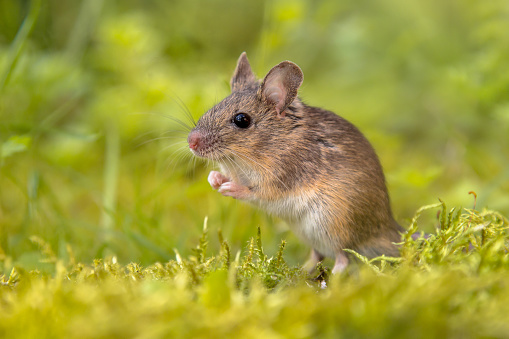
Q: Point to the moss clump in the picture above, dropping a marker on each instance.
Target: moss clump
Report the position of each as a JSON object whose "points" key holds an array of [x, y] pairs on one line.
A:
{"points": [[454, 283]]}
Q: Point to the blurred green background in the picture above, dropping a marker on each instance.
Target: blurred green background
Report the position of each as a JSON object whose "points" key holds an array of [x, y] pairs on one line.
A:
{"points": [[90, 160]]}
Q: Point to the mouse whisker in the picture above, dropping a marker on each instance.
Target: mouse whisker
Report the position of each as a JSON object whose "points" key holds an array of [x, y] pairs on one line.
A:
{"points": [[176, 99], [176, 131], [183, 124], [173, 144], [155, 139], [176, 155]]}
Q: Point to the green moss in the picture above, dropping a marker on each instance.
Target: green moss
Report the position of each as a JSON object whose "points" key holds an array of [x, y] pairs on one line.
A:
{"points": [[454, 283]]}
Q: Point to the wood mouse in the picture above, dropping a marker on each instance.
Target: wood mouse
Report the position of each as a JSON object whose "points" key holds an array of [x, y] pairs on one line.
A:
{"points": [[304, 164]]}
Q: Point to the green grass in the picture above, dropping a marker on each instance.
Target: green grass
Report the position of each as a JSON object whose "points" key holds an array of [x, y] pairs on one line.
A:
{"points": [[453, 284], [95, 174]]}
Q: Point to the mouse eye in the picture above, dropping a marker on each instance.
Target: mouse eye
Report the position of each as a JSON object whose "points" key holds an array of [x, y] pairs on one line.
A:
{"points": [[241, 120]]}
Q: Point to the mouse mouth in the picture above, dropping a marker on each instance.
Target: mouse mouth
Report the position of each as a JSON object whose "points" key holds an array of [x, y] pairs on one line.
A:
{"points": [[204, 154]]}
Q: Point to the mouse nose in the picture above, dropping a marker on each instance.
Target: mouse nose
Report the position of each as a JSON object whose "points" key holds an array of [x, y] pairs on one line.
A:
{"points": [[194, 140]]}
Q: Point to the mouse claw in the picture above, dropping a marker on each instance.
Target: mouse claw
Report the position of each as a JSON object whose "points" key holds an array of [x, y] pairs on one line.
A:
{"points": [[231, 189], [216, 179]]}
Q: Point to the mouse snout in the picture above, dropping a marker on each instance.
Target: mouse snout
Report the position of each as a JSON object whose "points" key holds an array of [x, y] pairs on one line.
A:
{"points": [[195, 140]]}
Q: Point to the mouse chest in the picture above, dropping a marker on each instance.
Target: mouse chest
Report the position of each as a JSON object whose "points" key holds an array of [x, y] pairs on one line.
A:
{"points": [[305, 216], [241, 175]]}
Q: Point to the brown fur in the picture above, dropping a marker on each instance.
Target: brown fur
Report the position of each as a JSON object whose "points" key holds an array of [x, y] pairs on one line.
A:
{"points": [[304, 164]]}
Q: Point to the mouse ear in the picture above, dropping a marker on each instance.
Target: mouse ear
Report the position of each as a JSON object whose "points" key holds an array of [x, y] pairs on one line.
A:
{"points": [[279, 88], [243, 75]]}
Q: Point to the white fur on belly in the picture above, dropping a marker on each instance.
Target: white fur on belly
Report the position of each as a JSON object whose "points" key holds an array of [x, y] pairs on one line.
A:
{"points": [[305, 217]]}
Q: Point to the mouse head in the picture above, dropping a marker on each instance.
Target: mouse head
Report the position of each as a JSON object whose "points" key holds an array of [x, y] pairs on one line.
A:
{"points": [[254, 120]]}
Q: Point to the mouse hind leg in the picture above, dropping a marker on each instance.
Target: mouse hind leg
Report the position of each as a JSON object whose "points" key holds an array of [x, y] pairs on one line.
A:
{"points": [[314, 258], [341, 263]]}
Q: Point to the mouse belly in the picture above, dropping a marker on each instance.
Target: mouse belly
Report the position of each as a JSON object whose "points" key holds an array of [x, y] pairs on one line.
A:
{"points": [[314, 233], [305, 218]]}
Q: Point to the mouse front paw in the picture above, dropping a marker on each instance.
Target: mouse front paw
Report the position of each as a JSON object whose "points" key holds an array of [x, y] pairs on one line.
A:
{"points": [[216, 179], [231, 189]]}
